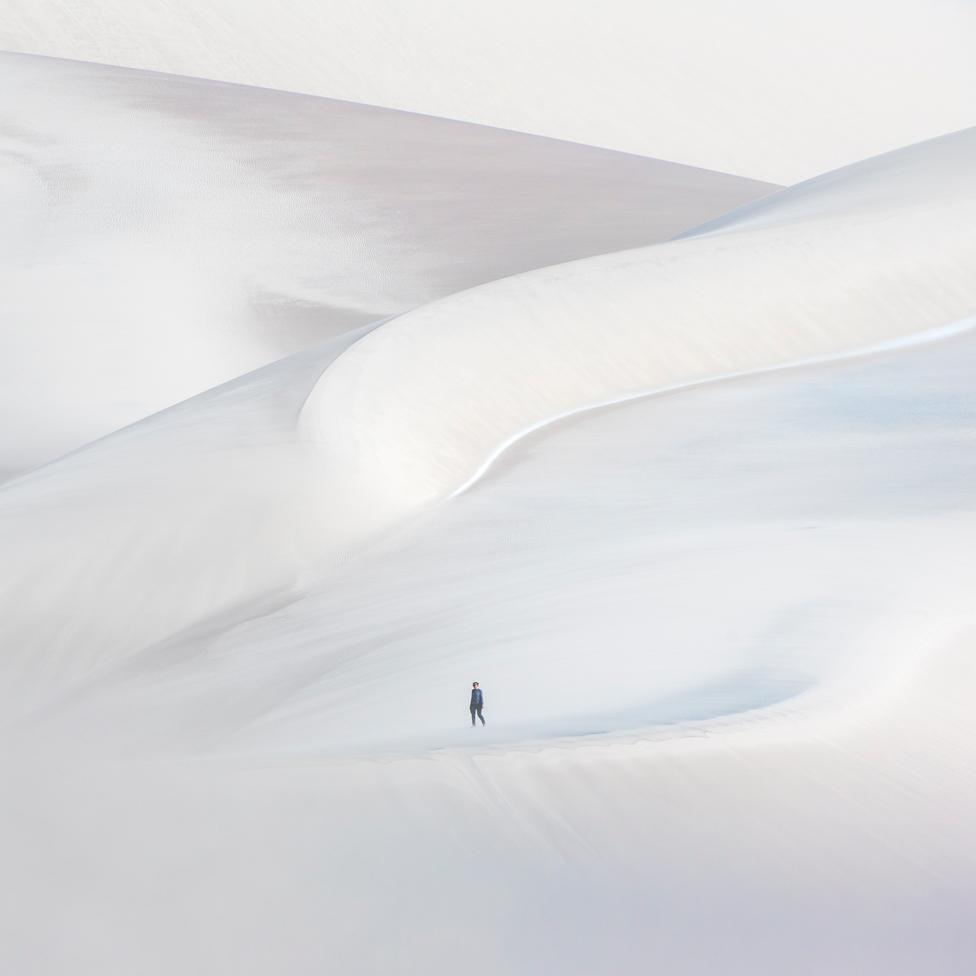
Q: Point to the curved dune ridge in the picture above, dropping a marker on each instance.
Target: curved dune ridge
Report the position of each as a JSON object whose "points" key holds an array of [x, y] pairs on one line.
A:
{"points": [[884, 248]]}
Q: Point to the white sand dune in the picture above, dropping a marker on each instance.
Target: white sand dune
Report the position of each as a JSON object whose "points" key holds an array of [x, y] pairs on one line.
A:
{"points": [[274, 220], [880, 249], [770, 90], [316, 457], [698, 515]]}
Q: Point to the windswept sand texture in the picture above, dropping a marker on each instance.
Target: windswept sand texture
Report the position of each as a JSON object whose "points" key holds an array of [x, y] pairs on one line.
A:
{"points": [[681, 469]]}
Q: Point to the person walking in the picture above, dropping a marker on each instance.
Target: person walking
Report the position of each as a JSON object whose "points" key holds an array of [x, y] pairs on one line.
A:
{"points": [[477, 703]]}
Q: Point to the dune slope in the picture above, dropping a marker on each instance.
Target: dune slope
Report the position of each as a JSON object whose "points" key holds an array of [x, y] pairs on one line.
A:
{"points": [[163, 234]]}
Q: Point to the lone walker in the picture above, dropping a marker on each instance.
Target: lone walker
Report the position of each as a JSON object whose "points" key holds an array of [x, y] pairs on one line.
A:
{"points": [[477, 703]]}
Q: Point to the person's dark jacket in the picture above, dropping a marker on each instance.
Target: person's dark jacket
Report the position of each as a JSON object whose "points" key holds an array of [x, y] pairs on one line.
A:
{"points": [[477, 699]]}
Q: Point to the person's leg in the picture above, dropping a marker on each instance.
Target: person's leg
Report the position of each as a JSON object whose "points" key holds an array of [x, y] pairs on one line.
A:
{"points": [[481, 716], [472, 716]]}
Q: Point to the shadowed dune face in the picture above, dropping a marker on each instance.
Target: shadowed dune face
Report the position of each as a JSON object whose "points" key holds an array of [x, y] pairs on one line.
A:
{"points": [[162, 235]]}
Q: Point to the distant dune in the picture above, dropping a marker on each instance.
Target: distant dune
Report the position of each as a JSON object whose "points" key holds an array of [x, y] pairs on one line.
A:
{"points": [[770, 90], [162, 234]]}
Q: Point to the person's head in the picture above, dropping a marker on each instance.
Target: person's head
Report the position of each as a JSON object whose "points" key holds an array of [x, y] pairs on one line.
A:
{"points": [[474, 684]]}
